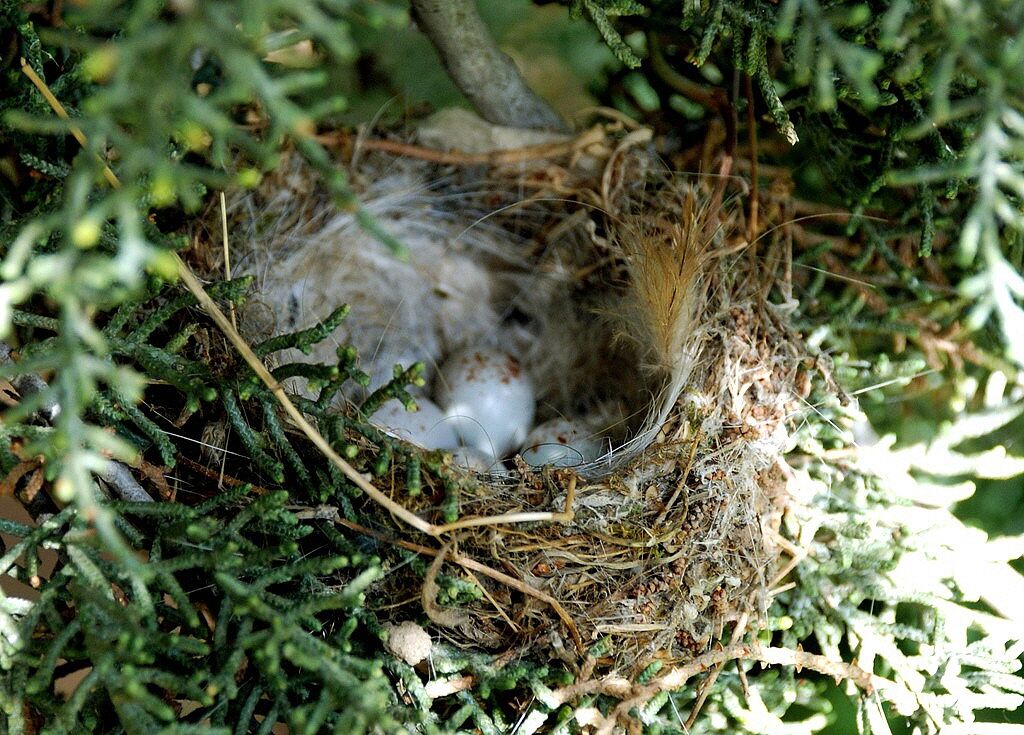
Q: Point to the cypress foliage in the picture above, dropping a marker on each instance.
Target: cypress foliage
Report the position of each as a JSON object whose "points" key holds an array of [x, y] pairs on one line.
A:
{"points": [[233, 605], [908, 114]]}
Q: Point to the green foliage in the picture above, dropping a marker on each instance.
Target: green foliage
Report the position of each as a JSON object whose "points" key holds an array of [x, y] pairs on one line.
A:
{"points": [[203, 621], [601, 12], [909, 111], [925, 622], [244, 608], [248, 601], [158, 93]]}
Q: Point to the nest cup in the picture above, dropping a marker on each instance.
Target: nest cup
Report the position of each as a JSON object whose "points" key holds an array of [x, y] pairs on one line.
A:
{"points": [[631, 299]]}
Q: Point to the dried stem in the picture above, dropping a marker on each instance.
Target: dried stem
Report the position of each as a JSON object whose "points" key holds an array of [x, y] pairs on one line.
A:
{"points": [[707, 684], [713, 98], [754, 183], [540, 152], [475, 566], [635, 695]]}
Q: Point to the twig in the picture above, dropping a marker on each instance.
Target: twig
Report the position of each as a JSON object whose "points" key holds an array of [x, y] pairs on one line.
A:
{"points": [[192, 284], [115, 474], [682, 479], [633, 695], [754, 183], [494, 603], [57, 107], [476, 566], [446, 617], [798, 557], [565, 516], [713, 98], [705, 687], [633, 139], [542, 151], [226, 479], [488, 77], [122, 482], [227, 252]]}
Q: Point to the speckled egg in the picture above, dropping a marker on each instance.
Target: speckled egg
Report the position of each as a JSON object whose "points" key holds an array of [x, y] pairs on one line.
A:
{"points": [[489, 399], [562, 443], [467, 458], [426, 427]]}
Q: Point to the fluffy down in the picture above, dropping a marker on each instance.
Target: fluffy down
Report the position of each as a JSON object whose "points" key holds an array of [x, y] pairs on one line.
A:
{"points": [[308, 258]]}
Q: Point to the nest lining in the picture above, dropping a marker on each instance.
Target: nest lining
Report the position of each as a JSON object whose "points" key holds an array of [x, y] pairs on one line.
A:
{"points": [[617, 288]]}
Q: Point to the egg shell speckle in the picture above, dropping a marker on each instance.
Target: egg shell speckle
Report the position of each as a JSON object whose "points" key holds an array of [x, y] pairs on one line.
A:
{"points": [[489, 398], [561, 443]]}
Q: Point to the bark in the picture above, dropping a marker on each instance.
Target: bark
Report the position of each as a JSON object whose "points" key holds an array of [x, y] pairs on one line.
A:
{"points": [[488, 77]]}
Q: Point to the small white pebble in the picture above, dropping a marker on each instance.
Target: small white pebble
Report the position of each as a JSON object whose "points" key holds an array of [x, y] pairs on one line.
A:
{"points": [[489, 398], [561, 443], [408, 641], [427, 427]]}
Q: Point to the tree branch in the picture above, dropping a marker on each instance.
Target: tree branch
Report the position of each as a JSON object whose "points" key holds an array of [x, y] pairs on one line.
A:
{"points": [[488, 77]]}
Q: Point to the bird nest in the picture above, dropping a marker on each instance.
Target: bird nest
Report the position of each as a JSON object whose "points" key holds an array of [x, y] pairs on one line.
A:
{"points": [[631, 296]]}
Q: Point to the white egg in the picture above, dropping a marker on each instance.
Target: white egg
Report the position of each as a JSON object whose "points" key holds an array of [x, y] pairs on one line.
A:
{"points": [[489, 398], [427, 427], [467, 458], [562, 443]]}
